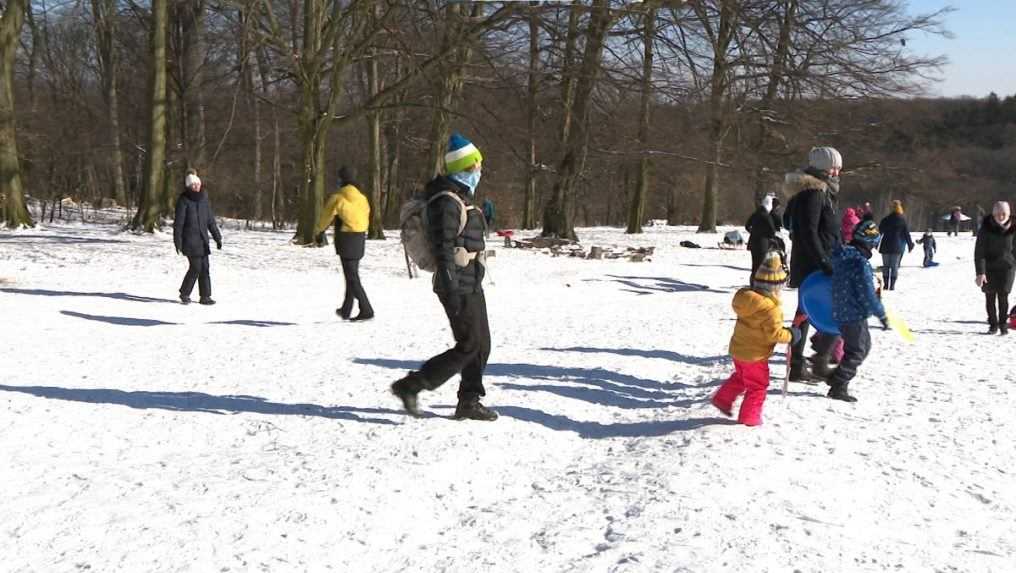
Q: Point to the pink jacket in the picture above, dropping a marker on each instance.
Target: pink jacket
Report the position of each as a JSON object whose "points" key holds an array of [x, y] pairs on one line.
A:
{"points": [[850, 220]]}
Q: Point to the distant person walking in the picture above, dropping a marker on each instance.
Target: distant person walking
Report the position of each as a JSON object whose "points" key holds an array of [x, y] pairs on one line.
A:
{"points": [[955, 218], [995, 264], [488, 214], [350, 211], [895, 238], [193, 222], [761, 232], [979, 220]]}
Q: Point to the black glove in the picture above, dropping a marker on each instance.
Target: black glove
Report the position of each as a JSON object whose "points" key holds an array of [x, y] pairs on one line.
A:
{"points": [[795, 335], [218, 245], [827, 268], [885, 322]]}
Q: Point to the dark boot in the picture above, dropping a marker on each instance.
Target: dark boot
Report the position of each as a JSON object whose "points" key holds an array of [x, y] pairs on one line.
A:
{"points": [[472, 409], [1003, 329], [206, 301], [800, 373], [364, 315], [406, 390], [185, 299], [344, 312], [820, 367], [839, 392], [993, 329]]}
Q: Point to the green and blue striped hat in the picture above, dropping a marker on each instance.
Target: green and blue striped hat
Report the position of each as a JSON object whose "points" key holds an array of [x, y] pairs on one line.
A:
{"points": [[462, 154]]}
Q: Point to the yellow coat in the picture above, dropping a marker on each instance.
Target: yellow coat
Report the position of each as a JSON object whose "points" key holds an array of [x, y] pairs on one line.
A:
{"points": [[349, 205], [759, 326]]}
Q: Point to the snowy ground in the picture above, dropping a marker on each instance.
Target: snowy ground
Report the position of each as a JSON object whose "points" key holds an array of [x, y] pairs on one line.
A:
{"points": [[138, 434]]}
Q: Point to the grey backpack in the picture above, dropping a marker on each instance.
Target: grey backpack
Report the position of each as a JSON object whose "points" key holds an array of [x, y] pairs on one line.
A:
{"points": [[413, 224]]}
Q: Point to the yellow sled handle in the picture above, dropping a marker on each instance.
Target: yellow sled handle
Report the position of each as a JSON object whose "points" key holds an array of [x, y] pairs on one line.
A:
{"points": [[900, 326]]}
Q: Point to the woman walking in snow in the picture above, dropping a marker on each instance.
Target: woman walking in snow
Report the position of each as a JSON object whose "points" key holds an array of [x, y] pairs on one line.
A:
{"points": [[193, 222], [762, 230], [995, 264], [895, 237]]}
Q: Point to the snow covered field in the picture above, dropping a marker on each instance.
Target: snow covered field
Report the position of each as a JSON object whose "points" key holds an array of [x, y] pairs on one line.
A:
{"points": [[138, 434]]}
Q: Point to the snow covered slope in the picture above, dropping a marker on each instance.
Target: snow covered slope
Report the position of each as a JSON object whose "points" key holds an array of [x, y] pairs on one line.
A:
{"points": [[138, 434]]}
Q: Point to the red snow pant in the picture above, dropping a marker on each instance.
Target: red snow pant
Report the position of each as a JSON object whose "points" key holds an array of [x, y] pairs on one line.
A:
{"points": [[750, 379]]}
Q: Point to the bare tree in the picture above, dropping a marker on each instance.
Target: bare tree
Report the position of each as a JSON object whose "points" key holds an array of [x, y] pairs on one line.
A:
{"points": [[637, 211], [15, 212], [149, 208]]}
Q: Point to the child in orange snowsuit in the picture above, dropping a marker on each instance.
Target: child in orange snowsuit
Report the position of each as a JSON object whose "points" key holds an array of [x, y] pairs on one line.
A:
{"points": [[759, 328]]}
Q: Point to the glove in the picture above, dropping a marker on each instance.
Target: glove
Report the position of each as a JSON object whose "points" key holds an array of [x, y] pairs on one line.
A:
{"points": [[795, 335], [218, 245], [826, 267], [885, 322]]}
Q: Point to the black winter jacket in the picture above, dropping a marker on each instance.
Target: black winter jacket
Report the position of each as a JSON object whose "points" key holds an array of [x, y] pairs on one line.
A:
{"points": [[193, 221], [762, 228], [443, 219], [895, 235], [813, 224], [993, 251]]}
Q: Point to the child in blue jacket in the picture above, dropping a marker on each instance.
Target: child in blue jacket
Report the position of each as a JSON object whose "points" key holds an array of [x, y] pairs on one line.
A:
{"points": [[854, 300]]}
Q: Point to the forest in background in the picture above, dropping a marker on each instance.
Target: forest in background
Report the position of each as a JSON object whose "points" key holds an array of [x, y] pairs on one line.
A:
{"points": [[587, 113]]}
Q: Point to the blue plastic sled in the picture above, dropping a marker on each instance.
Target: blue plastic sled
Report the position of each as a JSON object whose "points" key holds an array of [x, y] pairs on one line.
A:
{"points": [[816, 296]]}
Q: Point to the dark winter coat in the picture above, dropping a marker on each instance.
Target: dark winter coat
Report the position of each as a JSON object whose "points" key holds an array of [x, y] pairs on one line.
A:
{"points": [[761, 229], [193, 222], [994, 256], [813, 223], [929, 243], [853, 281], [895, 235], [443, 219]]}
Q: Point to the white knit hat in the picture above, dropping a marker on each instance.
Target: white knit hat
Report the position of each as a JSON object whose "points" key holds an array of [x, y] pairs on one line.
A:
{"points": [[825, 158], [191, 181]]}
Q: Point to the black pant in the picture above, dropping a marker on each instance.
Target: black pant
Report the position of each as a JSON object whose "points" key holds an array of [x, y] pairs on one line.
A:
{"points": [[928, 256], [758, 255], [822, 342], [199, 272], [354, 289], [891, 269], [856, 346], [997, 305], [472, 347]]}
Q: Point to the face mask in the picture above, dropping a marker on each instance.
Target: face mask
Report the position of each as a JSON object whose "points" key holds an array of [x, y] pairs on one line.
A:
{"points": [[468, 178]]}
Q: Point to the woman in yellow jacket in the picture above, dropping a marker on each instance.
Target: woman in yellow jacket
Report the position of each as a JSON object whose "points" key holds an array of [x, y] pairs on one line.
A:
{"points": [[759, 328], [351, 213]]}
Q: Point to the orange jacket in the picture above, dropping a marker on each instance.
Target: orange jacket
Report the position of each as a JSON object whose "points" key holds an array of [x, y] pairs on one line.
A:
{"points": [[759, 325]]}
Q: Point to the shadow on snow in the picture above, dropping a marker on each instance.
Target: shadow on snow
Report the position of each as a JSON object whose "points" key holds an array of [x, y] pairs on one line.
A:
{"points": [[113, 295], [118, 320], [646, 353], [650, 285]]}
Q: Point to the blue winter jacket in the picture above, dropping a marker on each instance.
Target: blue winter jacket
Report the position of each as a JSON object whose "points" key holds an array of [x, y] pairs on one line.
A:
{"points": [[854, 297]]}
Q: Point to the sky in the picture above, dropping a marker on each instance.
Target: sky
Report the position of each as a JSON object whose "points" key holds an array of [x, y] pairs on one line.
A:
{"points": [[982, 53]]}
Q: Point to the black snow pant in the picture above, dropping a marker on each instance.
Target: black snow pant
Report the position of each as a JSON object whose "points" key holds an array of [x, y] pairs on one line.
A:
{"points": [[929, 255], [472, 347], [198, 271], [354, 288], [822, 343], [997, 305], [856, 346]]}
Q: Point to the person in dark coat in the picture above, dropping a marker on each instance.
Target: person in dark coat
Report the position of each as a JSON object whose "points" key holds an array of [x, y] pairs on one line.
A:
{"points": [[192, 224], [489, 213], [458, 283], [815, 231], [895, 238], [761, 232], [928, 240], [995, 263], [350, 212]]}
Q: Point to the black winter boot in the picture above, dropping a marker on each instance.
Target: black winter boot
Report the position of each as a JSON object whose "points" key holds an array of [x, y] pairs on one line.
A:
{"points": [[1003, 329], [472, 409], [800, 373], [206, 301], [820, 367], [185, 299], [993, 329], [406, 390], [839, 392]]}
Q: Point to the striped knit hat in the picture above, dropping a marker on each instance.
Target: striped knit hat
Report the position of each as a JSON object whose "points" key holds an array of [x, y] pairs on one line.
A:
{"points": [[866, 232], [770, 274], [462, 154]]}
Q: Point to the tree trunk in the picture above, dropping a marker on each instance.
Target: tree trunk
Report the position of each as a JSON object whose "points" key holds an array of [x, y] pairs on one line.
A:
{"points": [[637, 213], [529, 202], [557, 218], [449, 90], [719, 85], [105, 31], [376, 229], [15, 212], [192, 14], [147, 217], [775, 78]]}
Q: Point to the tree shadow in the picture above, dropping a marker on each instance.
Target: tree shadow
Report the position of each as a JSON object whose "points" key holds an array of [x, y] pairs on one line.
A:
{"points": [[257, 323], [592, 376], [598, 431], [651, 285], [732, 267], [946, 332], [63, 239], [118, 320], [201, 402], [614, 396], [646, 353], [113, 295]]}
